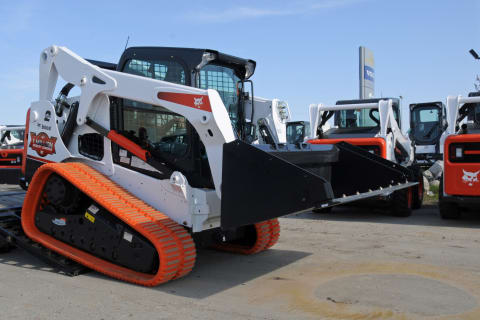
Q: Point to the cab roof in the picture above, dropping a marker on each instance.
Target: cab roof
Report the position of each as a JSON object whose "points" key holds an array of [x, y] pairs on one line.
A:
{"points": [[191, 58]]}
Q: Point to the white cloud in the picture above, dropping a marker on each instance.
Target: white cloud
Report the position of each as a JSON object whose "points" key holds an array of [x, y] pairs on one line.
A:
{"points": [[236, 13], [240, 13]]}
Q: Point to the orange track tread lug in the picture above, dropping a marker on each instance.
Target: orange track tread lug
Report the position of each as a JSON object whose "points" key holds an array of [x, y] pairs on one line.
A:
{"points": [[175, 246]]}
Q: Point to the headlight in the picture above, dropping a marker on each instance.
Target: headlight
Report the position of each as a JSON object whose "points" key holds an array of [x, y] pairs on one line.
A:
{"points": [[283, 113]]}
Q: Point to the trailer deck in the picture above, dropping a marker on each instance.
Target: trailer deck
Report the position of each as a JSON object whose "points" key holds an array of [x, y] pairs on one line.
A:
{"points": [[11, 231]]}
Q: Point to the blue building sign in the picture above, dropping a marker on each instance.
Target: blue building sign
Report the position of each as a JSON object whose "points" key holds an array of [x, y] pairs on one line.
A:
{"points": [[366, 73], [369, 73]]}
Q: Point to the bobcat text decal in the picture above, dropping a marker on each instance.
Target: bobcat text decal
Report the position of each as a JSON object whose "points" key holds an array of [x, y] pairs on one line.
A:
{"points": [[470, 177], [42, 143]]}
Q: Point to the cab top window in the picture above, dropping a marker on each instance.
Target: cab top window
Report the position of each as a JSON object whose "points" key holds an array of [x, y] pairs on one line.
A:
{"points": [[170, 71]]}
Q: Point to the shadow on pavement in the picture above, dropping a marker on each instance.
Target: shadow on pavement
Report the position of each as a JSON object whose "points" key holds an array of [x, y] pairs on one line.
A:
{"points": [[426, 216], [214, 271], [21, 259], [217, 271]]}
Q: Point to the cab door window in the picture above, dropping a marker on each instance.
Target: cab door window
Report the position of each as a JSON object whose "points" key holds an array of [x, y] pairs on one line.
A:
{"points": [[161, 132], [225, 81], [426, 124]]}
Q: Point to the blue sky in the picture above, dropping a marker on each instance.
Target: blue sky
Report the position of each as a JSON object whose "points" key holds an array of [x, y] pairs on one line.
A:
{"points": [[306, 51]]}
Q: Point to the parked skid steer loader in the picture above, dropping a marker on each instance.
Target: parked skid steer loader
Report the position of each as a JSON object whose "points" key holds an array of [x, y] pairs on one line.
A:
{"points": [[11, 151], [159, 154], [460, 184], [372, 125], [427, 124]]}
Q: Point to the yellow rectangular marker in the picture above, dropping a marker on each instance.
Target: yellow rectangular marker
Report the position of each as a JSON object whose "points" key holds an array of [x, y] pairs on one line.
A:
{"points": [[90, 217]]}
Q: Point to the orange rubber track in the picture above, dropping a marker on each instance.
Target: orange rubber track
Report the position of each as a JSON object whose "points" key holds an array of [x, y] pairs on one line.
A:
{"points": [[175, 247], [268, 233]]}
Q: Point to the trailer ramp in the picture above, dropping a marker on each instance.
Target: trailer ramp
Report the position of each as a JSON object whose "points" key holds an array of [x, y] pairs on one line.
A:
{"points": [[12, 234]]}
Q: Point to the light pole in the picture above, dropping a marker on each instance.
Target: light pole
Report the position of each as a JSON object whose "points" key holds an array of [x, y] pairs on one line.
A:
{"points": [[474, 54], [477, 80]]}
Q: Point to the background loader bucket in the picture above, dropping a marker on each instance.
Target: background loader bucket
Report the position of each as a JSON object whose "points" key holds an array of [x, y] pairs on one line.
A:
{"points": [[261, 182], [257, 184], [359, 171]]}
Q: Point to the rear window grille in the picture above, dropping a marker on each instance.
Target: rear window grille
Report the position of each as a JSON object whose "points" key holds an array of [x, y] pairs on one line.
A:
{"points": [[90, 145]]}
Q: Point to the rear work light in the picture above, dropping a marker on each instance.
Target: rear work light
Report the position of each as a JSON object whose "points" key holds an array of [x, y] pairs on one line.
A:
{"points": [[458, 152]]}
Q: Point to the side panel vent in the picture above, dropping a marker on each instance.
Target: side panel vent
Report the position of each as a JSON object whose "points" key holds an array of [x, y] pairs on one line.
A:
{"points": [[90, 145]]}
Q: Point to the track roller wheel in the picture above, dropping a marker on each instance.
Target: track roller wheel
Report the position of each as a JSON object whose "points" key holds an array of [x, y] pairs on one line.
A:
{"points": [[447, 210], [401, 202], [419, 189], [258, 237], [172, 243], [5, 246]]}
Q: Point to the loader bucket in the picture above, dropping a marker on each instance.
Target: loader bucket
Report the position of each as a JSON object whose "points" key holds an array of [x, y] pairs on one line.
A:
{"points": [[257, 184], [261, 182], [359, 171]]}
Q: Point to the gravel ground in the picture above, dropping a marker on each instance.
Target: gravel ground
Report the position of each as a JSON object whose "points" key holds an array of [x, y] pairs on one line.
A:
{"points": [[353, 263]]}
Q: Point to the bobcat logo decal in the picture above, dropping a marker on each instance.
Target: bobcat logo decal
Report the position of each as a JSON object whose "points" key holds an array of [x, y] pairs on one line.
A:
{"points": [[470, 177], [42, 143], [198, 102]]}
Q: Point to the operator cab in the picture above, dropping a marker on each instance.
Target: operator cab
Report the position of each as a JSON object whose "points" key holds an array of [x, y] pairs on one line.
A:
{"points": [[168, 136], [427, 122], [200, 68], [297, 131], [471, 111], [11, 137]]}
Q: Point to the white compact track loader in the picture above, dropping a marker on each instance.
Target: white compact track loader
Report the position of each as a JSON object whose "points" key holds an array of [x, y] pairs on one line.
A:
{"points": [[163, 152]]}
